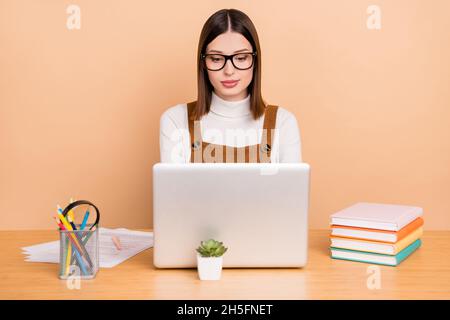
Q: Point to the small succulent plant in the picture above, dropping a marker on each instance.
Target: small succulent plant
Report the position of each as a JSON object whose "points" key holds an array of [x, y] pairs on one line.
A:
{"points": [[211, 248]]}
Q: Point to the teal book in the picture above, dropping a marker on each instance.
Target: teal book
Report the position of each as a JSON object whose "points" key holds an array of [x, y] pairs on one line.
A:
{"points": [[375, 258]]}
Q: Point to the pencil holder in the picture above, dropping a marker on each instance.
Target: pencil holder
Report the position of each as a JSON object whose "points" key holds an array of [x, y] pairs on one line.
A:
{"points": [[79, 253]]}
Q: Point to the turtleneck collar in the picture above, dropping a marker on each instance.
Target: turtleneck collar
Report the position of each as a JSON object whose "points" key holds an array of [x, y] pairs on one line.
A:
{"points": [[230, 109]]}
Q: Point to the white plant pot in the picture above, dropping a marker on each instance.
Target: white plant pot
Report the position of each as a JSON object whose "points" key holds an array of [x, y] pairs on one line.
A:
{"points": [[209, 268]]}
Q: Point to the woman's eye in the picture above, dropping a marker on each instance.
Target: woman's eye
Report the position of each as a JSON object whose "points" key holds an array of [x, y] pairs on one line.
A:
{"points": [[215, 59]]}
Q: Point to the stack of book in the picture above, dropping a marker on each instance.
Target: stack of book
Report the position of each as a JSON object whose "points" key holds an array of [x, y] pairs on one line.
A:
{"points": [[376, 233]]}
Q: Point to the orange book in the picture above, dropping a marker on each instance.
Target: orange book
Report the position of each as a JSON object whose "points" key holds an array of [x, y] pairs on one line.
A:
{"points": [[374, 234], [376, 246]]}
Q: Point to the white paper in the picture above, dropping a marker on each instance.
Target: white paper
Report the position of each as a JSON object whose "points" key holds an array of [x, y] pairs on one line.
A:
{"points": [[132, 243]]}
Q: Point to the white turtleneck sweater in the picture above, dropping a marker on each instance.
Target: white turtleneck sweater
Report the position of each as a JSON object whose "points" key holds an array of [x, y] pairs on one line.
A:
{"points": [[228, 123]]}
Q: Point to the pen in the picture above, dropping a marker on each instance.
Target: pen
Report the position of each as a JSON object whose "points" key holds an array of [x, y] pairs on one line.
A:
{"points": [[91, 232], [86, 216], [69, 219], [116, 242]]}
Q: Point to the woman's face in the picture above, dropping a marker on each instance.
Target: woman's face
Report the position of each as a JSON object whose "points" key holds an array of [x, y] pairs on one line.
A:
{"points": [[229, 43]]}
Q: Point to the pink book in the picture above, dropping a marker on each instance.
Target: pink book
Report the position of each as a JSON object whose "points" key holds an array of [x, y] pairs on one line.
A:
{"points": [[390, 217]]}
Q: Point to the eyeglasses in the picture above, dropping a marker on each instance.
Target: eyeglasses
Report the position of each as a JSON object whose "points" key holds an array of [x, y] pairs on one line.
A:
{"points": [[216, 62]]}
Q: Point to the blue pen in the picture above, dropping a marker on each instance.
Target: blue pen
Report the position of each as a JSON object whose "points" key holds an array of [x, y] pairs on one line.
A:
{"points": [[80, 262], [86, 216]]}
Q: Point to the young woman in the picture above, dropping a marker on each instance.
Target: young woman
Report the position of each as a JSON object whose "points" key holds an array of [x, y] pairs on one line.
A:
{"points": [[229, 121]]}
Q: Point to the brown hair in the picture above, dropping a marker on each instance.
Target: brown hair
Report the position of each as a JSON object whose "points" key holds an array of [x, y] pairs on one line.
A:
{"points": [[217, 24]]}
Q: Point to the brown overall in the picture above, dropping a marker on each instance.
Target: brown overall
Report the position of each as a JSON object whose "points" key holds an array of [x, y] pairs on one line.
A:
{"points": [[208, 152]]}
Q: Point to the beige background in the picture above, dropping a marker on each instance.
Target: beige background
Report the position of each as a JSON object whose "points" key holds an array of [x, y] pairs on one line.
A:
{"points": [[79, 110]]}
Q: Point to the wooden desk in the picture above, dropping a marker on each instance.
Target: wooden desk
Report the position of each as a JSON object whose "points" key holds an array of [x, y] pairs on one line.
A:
{"points": [[424, 275]]}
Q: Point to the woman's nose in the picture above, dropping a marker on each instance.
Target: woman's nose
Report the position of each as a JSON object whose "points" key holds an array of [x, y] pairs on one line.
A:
{"points": [[229, 68]]}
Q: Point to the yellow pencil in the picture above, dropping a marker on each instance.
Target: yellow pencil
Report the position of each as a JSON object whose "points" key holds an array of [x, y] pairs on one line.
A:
{"points": [[69, 228], [69, 255]]}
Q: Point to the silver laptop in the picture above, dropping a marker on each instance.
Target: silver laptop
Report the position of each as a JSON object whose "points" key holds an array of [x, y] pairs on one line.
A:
{"points": [[258, 210]]}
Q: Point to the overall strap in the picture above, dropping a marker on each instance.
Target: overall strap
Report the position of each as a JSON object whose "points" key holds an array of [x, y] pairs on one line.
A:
{"points": [[194, 133], [270, 118]]}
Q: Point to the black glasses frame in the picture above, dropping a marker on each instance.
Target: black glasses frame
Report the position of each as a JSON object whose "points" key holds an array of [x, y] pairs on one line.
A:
{"points": [[228, 57]]}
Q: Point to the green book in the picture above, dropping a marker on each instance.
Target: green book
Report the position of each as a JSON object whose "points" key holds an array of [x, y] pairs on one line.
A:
{"points": [[375, 258]]}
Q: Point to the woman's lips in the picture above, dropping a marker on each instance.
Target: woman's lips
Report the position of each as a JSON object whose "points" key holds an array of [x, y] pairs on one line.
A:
{"points": [[229, 83]]}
